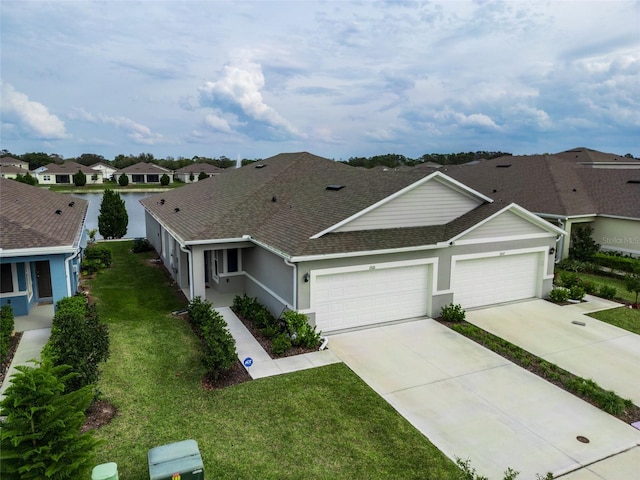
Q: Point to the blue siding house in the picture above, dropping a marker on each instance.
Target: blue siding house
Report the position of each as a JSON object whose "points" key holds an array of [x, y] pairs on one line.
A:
{"points": [[42, 237]]}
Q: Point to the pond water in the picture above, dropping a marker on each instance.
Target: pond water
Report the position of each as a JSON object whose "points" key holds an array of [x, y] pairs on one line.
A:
{"points": [[135, 211]]}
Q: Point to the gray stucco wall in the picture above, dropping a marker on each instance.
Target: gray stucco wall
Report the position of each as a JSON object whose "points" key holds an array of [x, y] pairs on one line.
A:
{"points": [[268, 278]]}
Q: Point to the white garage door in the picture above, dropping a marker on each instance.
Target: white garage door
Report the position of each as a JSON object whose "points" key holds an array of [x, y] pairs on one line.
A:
{"points": [[487, 281], [355, 299]]}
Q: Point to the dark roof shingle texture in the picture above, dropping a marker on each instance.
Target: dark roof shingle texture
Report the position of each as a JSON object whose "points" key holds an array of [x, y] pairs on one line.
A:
{"points": [[28, 217], [286, 202]]}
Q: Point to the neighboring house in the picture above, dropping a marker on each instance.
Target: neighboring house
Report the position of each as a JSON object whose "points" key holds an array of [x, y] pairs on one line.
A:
{"points": [[106, 170], [145, 172], [570, 189], [349, 247], [62, 174], [14, 162], [191, 173], [42, 237], [11, 171]]}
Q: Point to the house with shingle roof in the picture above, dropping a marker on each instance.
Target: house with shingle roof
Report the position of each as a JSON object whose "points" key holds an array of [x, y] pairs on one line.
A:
{"points": [[14, 162], [62, 173], [570, 189], [42, 236], [106, 170], [191, 173], [145, 172], [346, 246], [8, 170]]}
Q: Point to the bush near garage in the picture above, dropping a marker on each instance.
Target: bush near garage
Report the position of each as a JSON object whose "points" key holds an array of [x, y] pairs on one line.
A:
{"points": [[559, 295], [452, 313]]}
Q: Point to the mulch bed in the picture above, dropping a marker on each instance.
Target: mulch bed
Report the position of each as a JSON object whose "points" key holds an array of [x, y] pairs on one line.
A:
{"points": [[235, 375], [14, 341], [99, 413]]}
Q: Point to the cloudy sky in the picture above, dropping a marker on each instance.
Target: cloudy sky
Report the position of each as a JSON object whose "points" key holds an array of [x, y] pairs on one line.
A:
{"points": [[336, 78]]}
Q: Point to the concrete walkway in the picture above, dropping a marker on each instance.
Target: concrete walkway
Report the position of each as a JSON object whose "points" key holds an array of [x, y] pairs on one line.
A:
{"points": [[597, 350], [472, 403], [262, 365]]}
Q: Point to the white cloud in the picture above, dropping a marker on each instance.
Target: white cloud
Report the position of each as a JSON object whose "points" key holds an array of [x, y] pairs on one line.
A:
{"points": [[217, 123], [33, 117], [136, 131], [239, 91], [474, 120]]}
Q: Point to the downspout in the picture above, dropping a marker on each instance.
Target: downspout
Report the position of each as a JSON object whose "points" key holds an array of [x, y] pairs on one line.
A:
{"points": [[188, 252], [295, 282], [560, 240], [67, 267]]}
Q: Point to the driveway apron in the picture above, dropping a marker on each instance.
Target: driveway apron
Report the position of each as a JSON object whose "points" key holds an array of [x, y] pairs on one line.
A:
{"points": [[607, 354], [474, 404]]}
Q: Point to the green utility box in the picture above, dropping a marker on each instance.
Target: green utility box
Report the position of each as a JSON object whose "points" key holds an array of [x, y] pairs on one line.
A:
{"points": [[106, 471], [176, 461]]}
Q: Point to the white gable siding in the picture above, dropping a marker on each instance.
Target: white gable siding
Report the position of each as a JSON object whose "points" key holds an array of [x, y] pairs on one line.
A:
{"points": [[432, 203], [507, 224]]}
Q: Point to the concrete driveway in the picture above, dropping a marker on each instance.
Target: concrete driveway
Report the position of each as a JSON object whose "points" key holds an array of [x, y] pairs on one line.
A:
{"points": [[608, 355], [472, 403]]}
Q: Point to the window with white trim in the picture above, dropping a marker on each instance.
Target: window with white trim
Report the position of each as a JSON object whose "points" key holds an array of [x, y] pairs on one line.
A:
{"points": [[6, 278]]}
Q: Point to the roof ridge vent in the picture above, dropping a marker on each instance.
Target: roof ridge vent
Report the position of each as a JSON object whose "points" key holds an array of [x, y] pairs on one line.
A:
{"points": [[260, 165], [334, 187]]}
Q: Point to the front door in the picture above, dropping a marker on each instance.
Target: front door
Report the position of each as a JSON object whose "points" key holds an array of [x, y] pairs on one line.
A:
{"points": [[43, 280]]}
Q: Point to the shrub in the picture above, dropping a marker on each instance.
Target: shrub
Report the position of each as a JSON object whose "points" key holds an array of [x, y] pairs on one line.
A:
{"points": [[199, 311], [96, 257], [301, 333], [617, 262], [589, 286], [89, 267], [123, 180], [607, 291], [632, 284], [79, 179], [576, 292], [568, 279], [141, 245], [280, 344], [6, 329], [219, 346], [41, 434], [78, 339], [559, 295], [571, 265], [164, 179], [253, 311], [113, 218], [583, 246], [453, 313], [202, 176]]}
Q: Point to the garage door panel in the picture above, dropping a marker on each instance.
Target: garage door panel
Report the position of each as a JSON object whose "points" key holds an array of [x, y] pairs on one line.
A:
{"points": [[492, 280], [354, 299]]}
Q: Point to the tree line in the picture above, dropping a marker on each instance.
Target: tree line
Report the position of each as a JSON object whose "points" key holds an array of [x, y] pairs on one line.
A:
{"points": [[390, 160]]}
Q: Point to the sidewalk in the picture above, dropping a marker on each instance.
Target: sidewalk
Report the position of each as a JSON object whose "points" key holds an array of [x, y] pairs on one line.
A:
{"points": [[262, 364]]}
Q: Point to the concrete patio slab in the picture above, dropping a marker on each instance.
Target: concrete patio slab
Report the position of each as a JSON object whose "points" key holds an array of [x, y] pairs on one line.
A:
{"points": [[482, 408], [607, 354]]}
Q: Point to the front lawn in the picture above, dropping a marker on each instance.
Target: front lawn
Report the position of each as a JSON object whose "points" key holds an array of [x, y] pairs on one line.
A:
{"points": [[320, 423], [620, 317]]}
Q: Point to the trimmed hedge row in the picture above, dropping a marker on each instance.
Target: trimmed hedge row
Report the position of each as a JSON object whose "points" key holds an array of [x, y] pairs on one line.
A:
{"points": [[615, 262], [6, 329]]}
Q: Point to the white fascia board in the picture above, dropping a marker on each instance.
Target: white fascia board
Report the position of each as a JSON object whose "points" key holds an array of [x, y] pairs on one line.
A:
{"points": [[441, 177], [618, 217], [171, 232], [26, 252], [216, 241], [329, 256], [521, 212]]}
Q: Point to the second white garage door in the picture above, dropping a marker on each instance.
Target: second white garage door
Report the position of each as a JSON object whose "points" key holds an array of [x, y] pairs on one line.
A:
{"points": [[354, 299], [487, 281]]}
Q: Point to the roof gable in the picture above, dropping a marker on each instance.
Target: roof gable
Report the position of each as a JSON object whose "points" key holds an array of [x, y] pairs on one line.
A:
{"points": [[433, 200], [145, 167], [510, 223]]}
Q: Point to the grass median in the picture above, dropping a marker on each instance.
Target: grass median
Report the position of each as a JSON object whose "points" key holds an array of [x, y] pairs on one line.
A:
{"points": [[319, 423]]}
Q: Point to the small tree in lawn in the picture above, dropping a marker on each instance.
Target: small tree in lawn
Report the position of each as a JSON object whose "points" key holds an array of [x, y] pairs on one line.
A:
{"points": [[202, 176], [113, 218], [80, 179], [583, 246], [123, 180], [632, 283], [41, 436], [164, 179]]}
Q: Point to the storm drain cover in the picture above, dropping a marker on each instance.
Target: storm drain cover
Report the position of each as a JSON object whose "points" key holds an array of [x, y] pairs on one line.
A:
{"points": [[582, 439]]}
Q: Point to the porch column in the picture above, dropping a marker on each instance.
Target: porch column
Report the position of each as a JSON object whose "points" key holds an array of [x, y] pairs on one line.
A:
{"points": [[197, 267]]}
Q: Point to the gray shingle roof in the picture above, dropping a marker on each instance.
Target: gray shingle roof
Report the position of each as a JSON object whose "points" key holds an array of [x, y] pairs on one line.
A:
{"points": [[68, 167], [285, 202], [556, 184], [28, 217], [196, 168], [144, 167]]}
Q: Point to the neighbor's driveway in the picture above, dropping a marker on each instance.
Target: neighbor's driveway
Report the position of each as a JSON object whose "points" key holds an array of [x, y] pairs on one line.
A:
{"points": [[474, 404], [608, 355]]}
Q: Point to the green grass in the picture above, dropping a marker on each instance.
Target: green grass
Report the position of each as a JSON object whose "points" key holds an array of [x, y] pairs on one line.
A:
{"points": [[620, 317], [319, 423], [616, 283]]}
